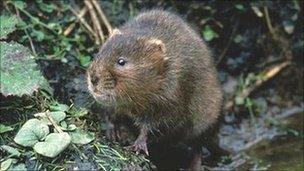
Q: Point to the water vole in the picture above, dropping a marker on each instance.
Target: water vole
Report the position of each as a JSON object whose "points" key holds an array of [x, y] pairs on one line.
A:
{"points": [[156, 70]]}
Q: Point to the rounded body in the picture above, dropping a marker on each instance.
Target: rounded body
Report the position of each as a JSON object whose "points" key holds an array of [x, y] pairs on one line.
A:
{"points": [[159, 72]]}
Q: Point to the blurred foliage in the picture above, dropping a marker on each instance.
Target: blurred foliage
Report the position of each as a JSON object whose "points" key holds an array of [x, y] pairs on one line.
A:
{"points": [[245, 37], [7, 26]]}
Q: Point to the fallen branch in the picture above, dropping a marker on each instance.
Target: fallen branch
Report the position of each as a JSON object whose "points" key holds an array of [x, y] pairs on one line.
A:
{"points": [[95, 21], [103, 16], [270, 73], [287, 54]]}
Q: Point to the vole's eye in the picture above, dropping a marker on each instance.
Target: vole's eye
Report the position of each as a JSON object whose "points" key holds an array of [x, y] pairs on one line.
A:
{"points": [[121, 62]]}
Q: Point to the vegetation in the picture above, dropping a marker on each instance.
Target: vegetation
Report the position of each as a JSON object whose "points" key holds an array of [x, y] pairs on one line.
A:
{"points": [[48, 120]]}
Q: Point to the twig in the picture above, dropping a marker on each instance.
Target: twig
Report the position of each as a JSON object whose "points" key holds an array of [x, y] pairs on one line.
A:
{"points": [[82, 12], [252, 143], [268, 75], [85, 24], [53, 122], [35, 19], [282, 41], [31, 42], [222, 55], [103, 16], [270, 61], [95, 21], [79, 152], [289, 112], [29, 37], [269, 22]]}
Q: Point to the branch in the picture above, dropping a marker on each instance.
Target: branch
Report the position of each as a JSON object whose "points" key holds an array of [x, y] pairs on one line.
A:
{"points": [[289, 112], [282, 41], [103, 16], [95, 21], [82, 12], [269, 73], [268, 21], [85, 24]]}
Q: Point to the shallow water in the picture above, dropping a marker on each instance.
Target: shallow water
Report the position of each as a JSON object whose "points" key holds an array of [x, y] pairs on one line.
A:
{"points": [[283, 152]]}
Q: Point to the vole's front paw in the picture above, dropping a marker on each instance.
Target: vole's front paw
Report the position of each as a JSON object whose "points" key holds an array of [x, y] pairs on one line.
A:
{"points": [[112, 132], [140, 145]]}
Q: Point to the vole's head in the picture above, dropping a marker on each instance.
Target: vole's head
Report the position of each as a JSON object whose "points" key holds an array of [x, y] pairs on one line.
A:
{"points": [[128, 69]]}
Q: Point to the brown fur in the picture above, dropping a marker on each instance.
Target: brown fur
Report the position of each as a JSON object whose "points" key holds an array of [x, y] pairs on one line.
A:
{"points": [[169, 81]]}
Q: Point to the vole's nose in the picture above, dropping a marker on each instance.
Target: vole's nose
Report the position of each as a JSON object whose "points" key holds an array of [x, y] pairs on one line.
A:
{"points": [[108, 80]]}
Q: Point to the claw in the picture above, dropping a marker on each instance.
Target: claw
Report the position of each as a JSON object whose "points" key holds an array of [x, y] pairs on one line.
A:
{"points": [[140, 145]]}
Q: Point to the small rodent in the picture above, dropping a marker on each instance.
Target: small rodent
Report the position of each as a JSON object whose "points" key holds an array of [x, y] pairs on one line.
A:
{"points": [[156, 70]]}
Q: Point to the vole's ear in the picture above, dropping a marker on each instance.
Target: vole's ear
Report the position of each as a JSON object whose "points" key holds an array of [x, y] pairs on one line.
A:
{"points": [[115, 32], [157, 54], [155, 45]]}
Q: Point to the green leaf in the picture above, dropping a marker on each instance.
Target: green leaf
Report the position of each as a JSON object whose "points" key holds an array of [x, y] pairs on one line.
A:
{"points": [[53, 145], [66, 127], [38, 35], [31, 132], [46, 7], [78, 112], [19, 72], [58, 28], [248, 102], [80, 137], [59, 107], [6, 164], [19, 167], [239, 7], [239, 100], [11, 150], [35, 20], [239, 38], [4, 128], [22, 25], [85, 60], [19, 4], [63, 125], [57, 116], [209, 34], [293, 132], [71, 127], [7, 25]]}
